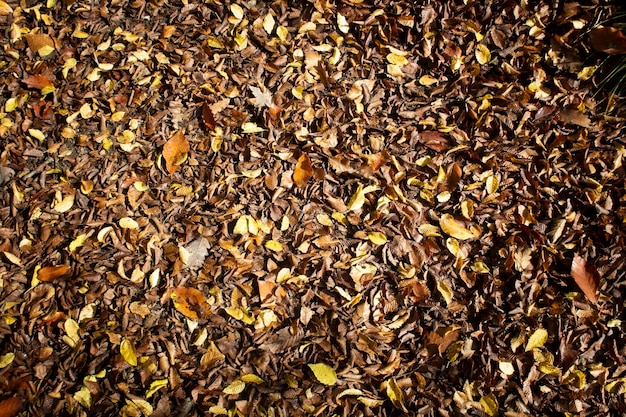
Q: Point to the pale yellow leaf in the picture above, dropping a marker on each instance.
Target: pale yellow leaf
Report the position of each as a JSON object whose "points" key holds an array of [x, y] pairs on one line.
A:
{"points": [[128, 223], [429, 230], [15, 260], [445, 291], [396, 59], [370, 402], [342, 23], [63, 205], [428, 80], [377, 238], [274, 245], [236, 387], [250, 127], [237, 11], [268, 23], [491, 185], [323, 373], [506, 368], [83, 397], [77, 242], [489, 405]]}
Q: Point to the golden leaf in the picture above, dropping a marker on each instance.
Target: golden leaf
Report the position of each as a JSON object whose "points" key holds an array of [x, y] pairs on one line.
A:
{"points": [[77, 242], [274, 245], [396, 59], [483, 56], [377, 238], [491, 185], [50, 273], [6, 360], [370, 402], [5, 9], [395, 394], [445, 291], [323, 373], [175, 151], [489, 405], [428, 80], [303, 171], [455, 229], [41, 43], [190, 302], [237, 11], [252, 379], [128, 352], [342, 23], [83, 397], [537, 340], [155, 386]]}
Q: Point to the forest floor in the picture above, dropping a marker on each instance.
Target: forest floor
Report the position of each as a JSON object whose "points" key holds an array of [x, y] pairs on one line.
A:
{"points": [[364, 208]]}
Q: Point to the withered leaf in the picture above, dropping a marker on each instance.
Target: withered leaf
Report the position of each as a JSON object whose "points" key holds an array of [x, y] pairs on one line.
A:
{"points": [[175, 151], [37, 81], [190, 302], [586, 276], [207, 118], [40, 43], [51, 273], [434, 140], [575, 117], [303, 171], [609, 40], [453, 176]]}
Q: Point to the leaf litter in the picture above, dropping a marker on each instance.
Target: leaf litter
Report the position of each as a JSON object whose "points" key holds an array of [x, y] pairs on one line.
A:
{"points": [[258, 208]]}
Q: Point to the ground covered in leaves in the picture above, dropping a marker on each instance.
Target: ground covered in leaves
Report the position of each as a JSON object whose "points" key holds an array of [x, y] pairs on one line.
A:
{"points": [[278, 209]]}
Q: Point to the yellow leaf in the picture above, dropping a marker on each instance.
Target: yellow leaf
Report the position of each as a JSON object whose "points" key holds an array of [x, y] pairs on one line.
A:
{"points": [[155, 386], [71, 329], [323, 373], [455, 229], [483, 56], [5, 9], [395, 394], [236, 387], [394, 70], [357, 200], [5, 360], [537, 339], [37, 134], [10, 105], [377, 238], [282, 33], [349, 391], [249, 127], [396, 59], [548, 368], [252, 379], [428, 230], [218, 410], [77, 242], [489, 404], [15, 260], [237, 11], [467, 208], [587, 72], [128, 223], [480, 267], [63, 205], [445, 291], [128, 352], [427, 80], [274, 245], [83, 397]]}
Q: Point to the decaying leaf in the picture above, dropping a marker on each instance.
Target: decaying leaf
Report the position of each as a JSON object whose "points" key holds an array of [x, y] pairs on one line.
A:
{"points": [[323, 373], [587, 277], [175, 151], [190, 302], [303, 171], [41, 43], [207, 118]]}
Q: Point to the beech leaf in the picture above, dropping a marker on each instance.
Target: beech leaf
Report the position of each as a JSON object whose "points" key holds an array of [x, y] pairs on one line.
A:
{"points": [[190, 302], [587, 277], [454, 228], [175, 151], [303, 171], [324, 373]]}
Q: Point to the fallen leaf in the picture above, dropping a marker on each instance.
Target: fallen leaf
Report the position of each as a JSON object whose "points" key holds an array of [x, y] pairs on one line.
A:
{"points": [[483, 56], [37, 81], [303, 171], [586, 276], [128, 352], [434, 140], [395, 394], [5, 9], [197, 251], [11, 407], [207, 118], [323, 373], [190, 302], [455, 229], [6, 360], [51, 273], [609, 40], [537, 340], [236, 387], [175, 151], [41, 43], [575, 117]]}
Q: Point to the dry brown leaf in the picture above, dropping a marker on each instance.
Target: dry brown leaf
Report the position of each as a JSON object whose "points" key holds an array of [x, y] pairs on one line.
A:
{"points": [[190, 302], [608, 40], [37, 81], [10, 407], [573, 116], [207, 118], [40, 42], [303, 171], [453, 176], [434, 140], [174, 151], [587, 277], [51, 273]]}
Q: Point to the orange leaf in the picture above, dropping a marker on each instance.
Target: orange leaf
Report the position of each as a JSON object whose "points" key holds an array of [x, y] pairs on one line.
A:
{"points": [[587, 277], [37, 41], [303, 171], [10, 407], [50, 273], [190, 302], [175, 151], [37, 81]]}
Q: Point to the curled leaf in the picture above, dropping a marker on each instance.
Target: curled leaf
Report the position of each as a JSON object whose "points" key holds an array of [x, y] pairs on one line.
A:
{"points": [[586, 276], [51, 273], [395, 394]]}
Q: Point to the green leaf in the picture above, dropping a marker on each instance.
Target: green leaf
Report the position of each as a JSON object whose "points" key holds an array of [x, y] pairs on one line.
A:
{"points": [[324, 373]]}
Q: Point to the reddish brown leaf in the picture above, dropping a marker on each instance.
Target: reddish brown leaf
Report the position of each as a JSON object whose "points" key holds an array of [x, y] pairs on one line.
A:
{"points": [[37, 41], [303, 171], [207, 118], [175, 151], [587, 277], [10, 407], [37, 81], [574, 116], [190, 302], [434, 140], [608, 40], [51, 273], [453, 175]]}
